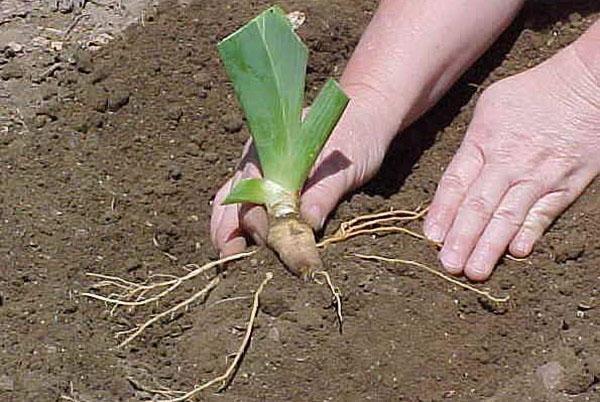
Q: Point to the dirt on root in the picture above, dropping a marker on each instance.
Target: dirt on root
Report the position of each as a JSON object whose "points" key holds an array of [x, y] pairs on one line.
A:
{"points": [[114, 171]]}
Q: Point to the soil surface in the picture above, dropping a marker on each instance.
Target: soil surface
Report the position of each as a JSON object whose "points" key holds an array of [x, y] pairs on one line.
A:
{"points": [[109, 163]]}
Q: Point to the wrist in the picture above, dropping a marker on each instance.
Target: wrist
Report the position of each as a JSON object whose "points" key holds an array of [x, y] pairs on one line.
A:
{"points": [[586, 50], [373, 110]]}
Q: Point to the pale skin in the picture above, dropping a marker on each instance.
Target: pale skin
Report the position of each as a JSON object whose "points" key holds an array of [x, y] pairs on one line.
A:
{"points": [[531, 149]]}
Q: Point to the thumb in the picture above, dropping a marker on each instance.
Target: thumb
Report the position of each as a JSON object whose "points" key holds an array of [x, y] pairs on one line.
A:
{"points": [[320, 197]]}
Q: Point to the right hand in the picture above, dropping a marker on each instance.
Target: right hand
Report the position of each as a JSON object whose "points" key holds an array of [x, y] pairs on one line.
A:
{"points": [[352, 156]]}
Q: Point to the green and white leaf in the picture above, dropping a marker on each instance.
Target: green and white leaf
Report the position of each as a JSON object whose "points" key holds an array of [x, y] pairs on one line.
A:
{"points": [[248, 190], [322, 118], [266, 62], [264, 192]]}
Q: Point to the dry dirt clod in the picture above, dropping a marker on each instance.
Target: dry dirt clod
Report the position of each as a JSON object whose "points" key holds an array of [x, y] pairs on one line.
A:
{"points": [[12, 70], [83, 62], [12, 49], [174, 113], [6, 383], [551, 374], [118, 99], [132, 264], [275, 304], [98, 75], [97, 98], [202, 79], [67, 6], [174, 172], [233, 123]]}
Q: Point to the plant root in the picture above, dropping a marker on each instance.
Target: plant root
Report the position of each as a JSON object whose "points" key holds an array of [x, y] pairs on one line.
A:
{"points": [[164, 391], [337, 299], [226, 377], [198, 295], [134, 294], [484, 293], [294, 243], [137, 291], [376, 224]]}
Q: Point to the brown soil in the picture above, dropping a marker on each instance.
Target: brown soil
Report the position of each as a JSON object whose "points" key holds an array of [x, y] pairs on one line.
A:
{"points": [[129, 145]]}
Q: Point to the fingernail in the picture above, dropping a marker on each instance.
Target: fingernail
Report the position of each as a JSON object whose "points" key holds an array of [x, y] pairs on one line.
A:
{"points": [[451, 260], [233, 246], [477, 266], [521, 246], [433, 232]]}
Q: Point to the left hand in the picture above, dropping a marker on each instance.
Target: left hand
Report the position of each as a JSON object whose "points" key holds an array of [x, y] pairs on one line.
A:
{"points": [[531, 149]]}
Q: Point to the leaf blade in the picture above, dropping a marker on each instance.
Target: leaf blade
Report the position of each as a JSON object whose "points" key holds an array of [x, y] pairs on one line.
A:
{"points": [[324, 114], [266, 61], [248, 190]]}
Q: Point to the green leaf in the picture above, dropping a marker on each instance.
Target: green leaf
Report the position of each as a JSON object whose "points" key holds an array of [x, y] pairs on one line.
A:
{"points": [[266, 61], [248, 190], [324, 114], [262, 192]]}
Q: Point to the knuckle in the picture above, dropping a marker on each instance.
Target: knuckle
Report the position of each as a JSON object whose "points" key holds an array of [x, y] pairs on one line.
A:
{"points": [[477, 204], [537, 222], [508, 216], [453, 182]]}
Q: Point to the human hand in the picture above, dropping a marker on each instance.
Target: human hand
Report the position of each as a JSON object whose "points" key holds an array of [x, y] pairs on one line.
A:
{"points": [[392, 78], [350, 157], [531, 149]]}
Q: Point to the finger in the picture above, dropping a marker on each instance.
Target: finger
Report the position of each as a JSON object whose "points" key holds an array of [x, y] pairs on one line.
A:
{"points": [[236, 243], [453, 186], [472, 216], [226, 234], [322, 197], [545, 211], [502, 227], [218, 211], [253, 218], [254, 222]]}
